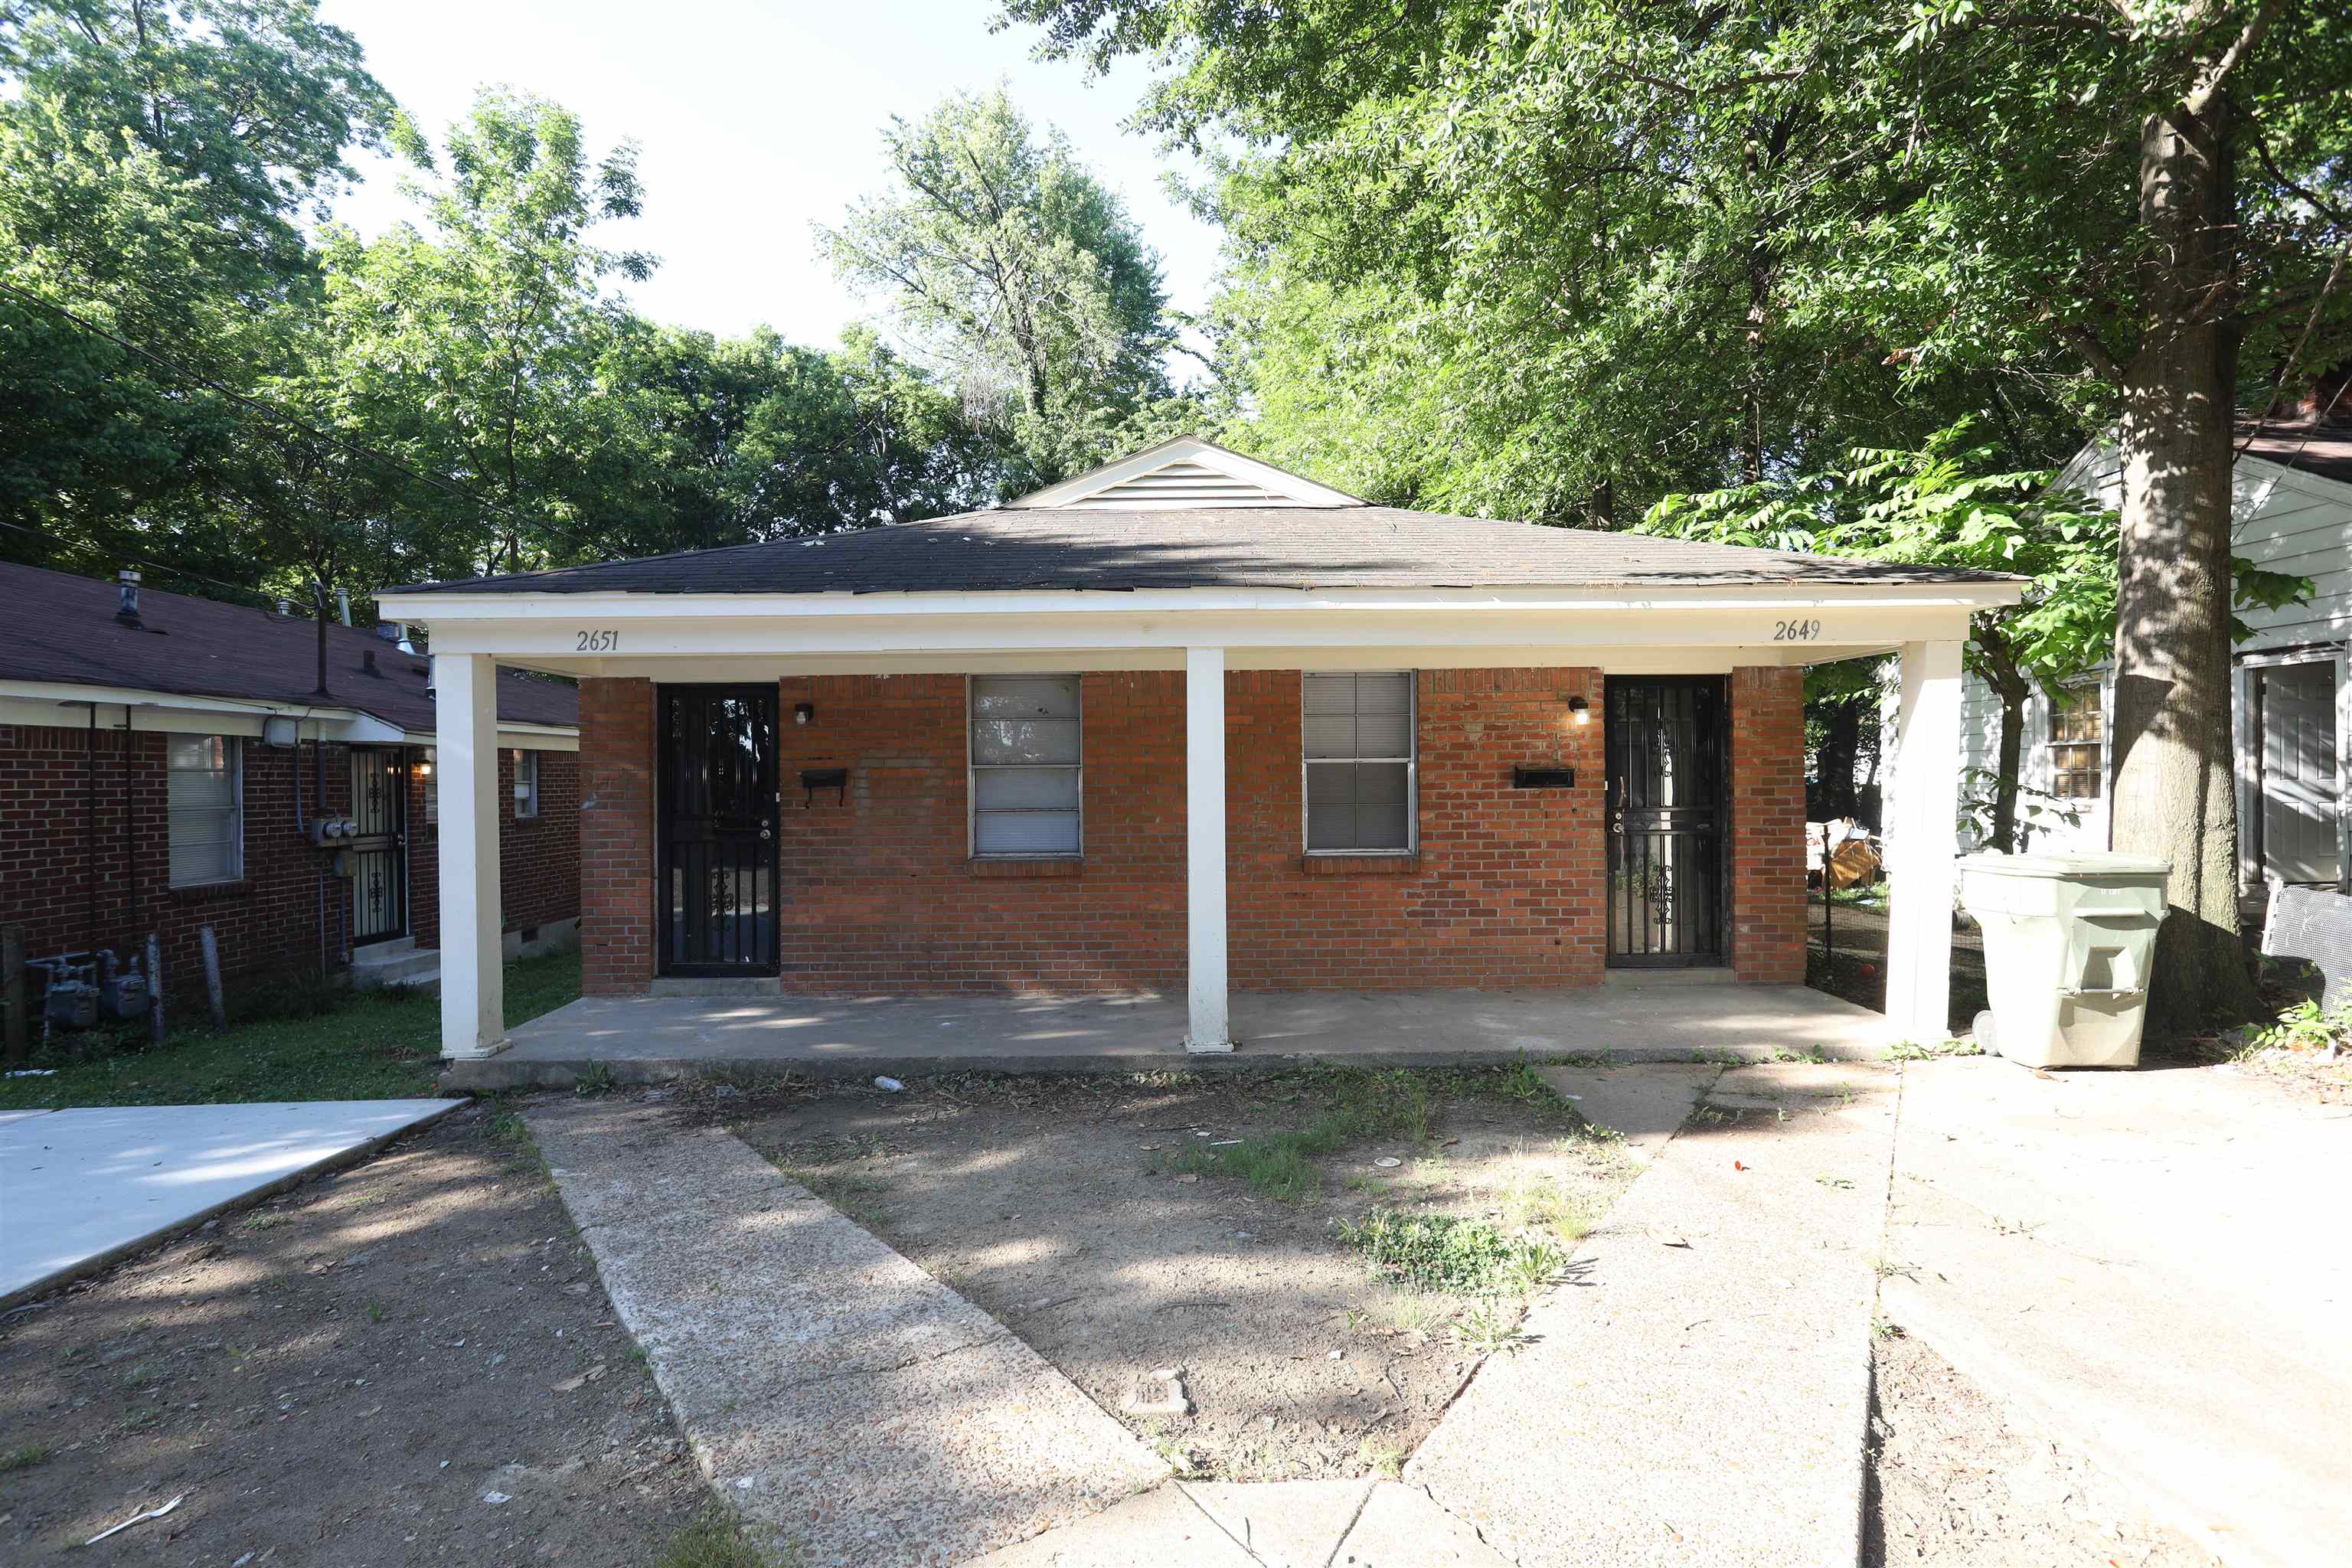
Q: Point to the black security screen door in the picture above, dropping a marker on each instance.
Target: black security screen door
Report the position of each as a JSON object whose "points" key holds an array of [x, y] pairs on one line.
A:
{"points": [[1665, 737], [378, 852], [718, 830]]}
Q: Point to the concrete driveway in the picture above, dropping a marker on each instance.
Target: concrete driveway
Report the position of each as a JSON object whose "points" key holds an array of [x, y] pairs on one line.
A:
{"points": [[2153, 1265], [81, 1188]]}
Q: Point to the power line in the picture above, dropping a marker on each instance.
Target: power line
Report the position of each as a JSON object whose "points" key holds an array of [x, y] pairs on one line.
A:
{"points": [[247, 589]]}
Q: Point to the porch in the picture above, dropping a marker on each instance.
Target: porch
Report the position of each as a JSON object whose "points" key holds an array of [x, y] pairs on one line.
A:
{"points": [[1632, 1017]]}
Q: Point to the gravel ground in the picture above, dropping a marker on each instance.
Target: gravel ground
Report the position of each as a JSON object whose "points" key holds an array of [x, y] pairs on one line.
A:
{"points": [[347, 1376], [1055, 1206], [1955, 1482]]}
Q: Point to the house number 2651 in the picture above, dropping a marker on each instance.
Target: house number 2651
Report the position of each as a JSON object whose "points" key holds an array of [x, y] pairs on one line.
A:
{"points": [[1795, 631], [605, 641]]}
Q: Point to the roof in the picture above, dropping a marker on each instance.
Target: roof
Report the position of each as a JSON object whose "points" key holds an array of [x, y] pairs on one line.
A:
{"points": [[2321, 446], [1190, 514], [58, 627], [1234, 547]]}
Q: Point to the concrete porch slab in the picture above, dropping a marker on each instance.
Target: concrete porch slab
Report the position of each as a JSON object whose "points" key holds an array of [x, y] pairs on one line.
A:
{"points": [[1647, 1017], [81, 1188]]}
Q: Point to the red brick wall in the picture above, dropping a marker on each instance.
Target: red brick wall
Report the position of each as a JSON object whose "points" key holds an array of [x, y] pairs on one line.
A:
{"points": [[1508, 888], [538, 857], [1767, 825], [269, 918], [616, 836]]}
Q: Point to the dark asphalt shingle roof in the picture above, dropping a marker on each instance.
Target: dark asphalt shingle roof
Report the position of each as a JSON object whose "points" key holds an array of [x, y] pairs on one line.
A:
{"points": [[1238, 547], [56, 626], [2314, 445]]}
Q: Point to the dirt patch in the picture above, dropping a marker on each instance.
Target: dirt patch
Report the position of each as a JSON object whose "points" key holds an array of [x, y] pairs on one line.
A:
{"points": [[1956, 1483], [1202, 1226], [409, 1361]]}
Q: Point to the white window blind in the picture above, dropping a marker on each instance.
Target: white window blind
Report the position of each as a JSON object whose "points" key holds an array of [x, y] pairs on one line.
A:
{"points": [[204, 796], [1359, 762], [1025, 764]]}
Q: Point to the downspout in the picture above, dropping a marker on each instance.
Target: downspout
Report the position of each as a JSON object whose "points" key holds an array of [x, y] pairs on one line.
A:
{"points": [[90, 825], [129, 838]]}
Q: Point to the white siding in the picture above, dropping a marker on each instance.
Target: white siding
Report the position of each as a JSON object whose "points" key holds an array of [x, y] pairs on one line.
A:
{"points": [[1980, 748], [2285, 520]]}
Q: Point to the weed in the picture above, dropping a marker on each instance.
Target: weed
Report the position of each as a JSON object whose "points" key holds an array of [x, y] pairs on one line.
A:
{"points": [[1356, 1104], [374, 1310], [595, 1078], [1531, 1201], [1489, 1327], [1180, 1078], [1385, 1461], [1912, 1051], [714, 1540], [1840, 1183], [1411, 1311], [1886, 1328], [1460, 1257], [22, 1457], [1180, 1460]]}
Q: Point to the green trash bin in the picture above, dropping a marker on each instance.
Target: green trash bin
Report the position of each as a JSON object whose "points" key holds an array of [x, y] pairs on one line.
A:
{"points": [[2067, 941]]}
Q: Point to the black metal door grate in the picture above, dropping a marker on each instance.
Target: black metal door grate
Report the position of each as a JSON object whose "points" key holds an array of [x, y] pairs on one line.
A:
{"points": [[378, 851], [718, 851], [1666, 776]]}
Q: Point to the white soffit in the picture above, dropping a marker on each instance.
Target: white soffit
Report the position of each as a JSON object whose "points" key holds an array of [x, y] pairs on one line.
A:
{"points": [[1181, 473]]}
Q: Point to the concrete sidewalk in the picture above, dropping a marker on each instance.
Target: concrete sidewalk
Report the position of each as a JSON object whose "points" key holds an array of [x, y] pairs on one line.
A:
{"points": [[2152, 1265], [81, 1188], [1697, 1394]]}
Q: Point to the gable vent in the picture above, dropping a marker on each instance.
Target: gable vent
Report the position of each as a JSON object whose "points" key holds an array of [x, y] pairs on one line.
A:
{"points": [[1181, 484]]}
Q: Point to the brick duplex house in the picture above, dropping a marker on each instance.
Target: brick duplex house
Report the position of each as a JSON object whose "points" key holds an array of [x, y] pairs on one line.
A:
{"points": [[162, 758], [1192, 722]]}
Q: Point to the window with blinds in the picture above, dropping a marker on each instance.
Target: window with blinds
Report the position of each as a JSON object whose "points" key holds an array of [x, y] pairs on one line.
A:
{"points": [[204, 789], [526, 782], [1026, 765], [1359, 763]]}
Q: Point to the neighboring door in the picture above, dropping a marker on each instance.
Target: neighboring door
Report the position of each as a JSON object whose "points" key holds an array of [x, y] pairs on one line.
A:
{"points": [[2295, 708], [1665, 737], [378, 851], [718, 830]]}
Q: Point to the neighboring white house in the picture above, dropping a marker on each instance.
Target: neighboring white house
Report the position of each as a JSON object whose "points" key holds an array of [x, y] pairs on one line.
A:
{"points": [[2293, 513]]}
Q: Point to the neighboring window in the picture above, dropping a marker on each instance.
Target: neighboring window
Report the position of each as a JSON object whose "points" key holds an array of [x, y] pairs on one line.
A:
{"points": [[432, 786], [1358, 762], [1025, 773], [205, 792], [2078, 744], [526, 782]]}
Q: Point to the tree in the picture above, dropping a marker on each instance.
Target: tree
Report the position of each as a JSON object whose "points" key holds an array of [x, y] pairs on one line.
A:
{"points": [[473, 344], [2045, 212], [154, 164], [1947, 505], [1018, 274]]}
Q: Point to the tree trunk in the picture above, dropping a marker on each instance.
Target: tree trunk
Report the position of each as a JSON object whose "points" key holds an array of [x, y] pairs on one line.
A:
{"points": [[2009, 684], [2175, 793]]}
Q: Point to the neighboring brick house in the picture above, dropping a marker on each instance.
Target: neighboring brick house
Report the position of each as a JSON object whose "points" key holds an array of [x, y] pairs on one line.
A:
{"points": [[162, 767], [1191, 722]]}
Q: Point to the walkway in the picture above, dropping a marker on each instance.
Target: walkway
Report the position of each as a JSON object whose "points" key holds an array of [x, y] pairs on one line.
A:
{"points": [[81, 1188], [1695, 1394], [2152, 1265], [1654, 1015]]}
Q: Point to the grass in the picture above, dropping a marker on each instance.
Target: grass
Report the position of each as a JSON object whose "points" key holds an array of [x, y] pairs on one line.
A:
{"points": [[22, 1457], [714, 1540], [370, 1045], [1356, 1104], [1458, 1256], [1385, 1461]]}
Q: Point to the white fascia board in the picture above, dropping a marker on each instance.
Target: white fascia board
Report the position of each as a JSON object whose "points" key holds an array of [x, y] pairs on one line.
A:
{"points": [[584, 610], [64, 704], [1184, 449]]}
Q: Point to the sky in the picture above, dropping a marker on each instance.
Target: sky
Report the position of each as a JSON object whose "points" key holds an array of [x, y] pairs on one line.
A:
{"points": [[754, 120]]}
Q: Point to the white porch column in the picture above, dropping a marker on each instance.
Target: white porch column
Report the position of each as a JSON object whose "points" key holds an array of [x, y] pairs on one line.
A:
{"points": [[465, 751], [1922, 843], [1209, 1028]]}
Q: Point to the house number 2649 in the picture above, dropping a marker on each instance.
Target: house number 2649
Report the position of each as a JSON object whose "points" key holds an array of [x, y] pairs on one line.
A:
{"points": [[608, 640], [1795, 631]]}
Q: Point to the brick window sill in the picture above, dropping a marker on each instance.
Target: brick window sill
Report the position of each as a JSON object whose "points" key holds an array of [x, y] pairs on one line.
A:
{"points": [[1018, 870], [1361, 865], [209, 892]]}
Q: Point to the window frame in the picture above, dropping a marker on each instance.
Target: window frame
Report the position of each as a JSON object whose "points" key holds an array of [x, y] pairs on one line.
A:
{"points": [[971, 769], [518, 753], [2078, 696], [1412, 770], [233, 766]]}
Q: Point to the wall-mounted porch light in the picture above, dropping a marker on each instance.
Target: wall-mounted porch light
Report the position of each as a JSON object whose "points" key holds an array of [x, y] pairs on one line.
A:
{"points": [[804, 712], [1579, 711]]}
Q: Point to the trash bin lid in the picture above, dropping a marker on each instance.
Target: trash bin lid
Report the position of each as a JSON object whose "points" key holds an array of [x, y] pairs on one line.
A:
{"points": [[2079, 863]]}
